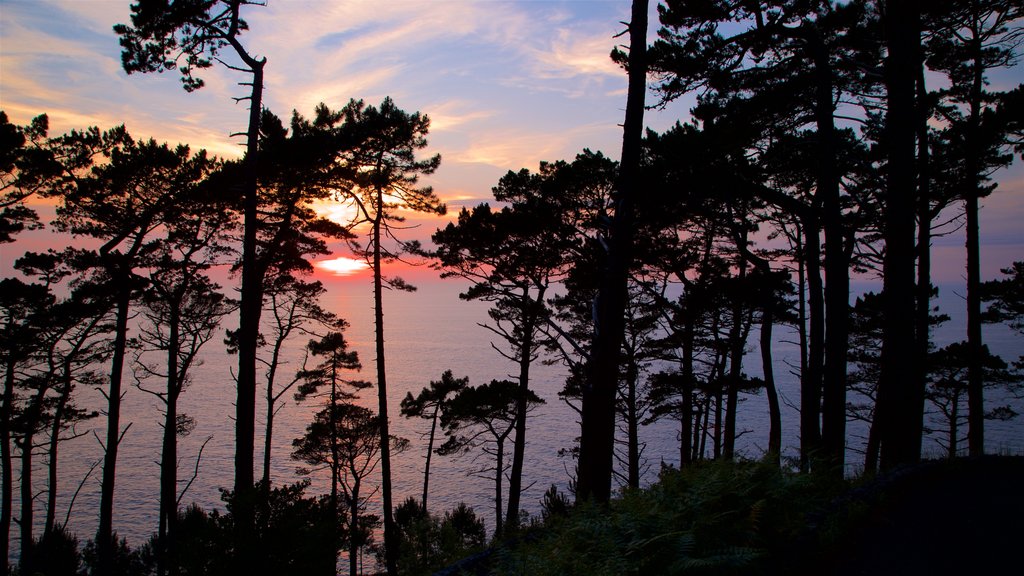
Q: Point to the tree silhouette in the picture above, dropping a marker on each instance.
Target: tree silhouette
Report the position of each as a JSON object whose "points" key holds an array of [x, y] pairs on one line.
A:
{"points": [[26, 167], [337, 358], [485, 416], [969, 40], [183, 309], [350, 436], [597, 439], [123, 203], [949, 382], [778, 76], [385, 141], [68, 345], [1006, 298], [19, 333], [428, 404], [293, 307], [516, 255], [190, 35]]}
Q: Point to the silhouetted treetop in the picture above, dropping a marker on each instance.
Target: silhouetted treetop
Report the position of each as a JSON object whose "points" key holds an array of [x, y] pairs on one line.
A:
{"points": [[183, 34]]}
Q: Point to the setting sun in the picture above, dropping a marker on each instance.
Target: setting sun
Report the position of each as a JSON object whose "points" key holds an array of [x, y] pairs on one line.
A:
{"points": [[342, 266]]}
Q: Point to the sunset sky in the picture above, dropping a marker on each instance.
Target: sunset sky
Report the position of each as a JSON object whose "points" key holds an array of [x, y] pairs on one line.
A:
{"points": [[506, 84]]}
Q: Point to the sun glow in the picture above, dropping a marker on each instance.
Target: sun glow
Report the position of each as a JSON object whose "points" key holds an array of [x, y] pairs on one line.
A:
{"points": [[342, 266]]}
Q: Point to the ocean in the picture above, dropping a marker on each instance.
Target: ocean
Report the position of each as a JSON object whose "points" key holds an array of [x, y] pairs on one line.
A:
{"points": [[427, 332]]}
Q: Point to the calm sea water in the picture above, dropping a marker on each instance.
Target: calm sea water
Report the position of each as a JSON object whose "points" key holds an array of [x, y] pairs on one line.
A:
{"points": [[427, 332]]}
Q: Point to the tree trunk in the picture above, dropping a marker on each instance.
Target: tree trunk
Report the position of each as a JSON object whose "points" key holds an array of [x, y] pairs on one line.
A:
{"points": [[811, 383], [899, 395], [6, 467], [515, 480], [169, 454], [972, 165], [353, 523], [632, 425], [105, 533], [498, 474], [51, 465], [953, 428], [249, 310], [837, 270], [736, 345], [924, 240], [268, 437], [597, 438], [27, 518], [390, 535], [686, 439], [430, 451], [705, 430]]}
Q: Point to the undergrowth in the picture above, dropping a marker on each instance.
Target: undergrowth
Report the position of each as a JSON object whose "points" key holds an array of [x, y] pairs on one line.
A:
{"points": [[709, 519]]}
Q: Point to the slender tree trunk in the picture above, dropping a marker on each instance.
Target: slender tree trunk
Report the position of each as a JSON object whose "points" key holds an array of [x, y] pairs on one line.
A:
{"points": [[953, 427], [811, 384], [353, 524], [169, 454], [597, 439], [268, 438], [632, 425], [924, 240], [27, 517], [51, 466], [705, 431], [774, 410], [972, 164], [249, 311], [837, 269], [430, 451], [335, 447], [873, 447], [6, 468], [105, 533], [686, 440], [697, 447], [499, 527], [515, 480], [736, 345], [898, 388], [718, 423], [390, 535]]}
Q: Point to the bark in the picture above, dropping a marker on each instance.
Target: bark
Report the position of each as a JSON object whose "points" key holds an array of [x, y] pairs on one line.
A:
{"points": [[632, 426], [774, 411], [811, 382], [249, 311], [924, 239], [736, 345], [972, 164], [430, 451], [899, 394], [51, 465], [526, 346], [498, 475], [686, 438], [597, 439], [251, 305], [27, 521], [837, 269], [6, 467], [353, 524], [268, 437], [105, 532], [390, 535]]}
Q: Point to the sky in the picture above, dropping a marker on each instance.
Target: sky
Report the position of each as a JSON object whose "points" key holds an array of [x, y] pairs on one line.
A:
{"points": [[506, 84]]}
